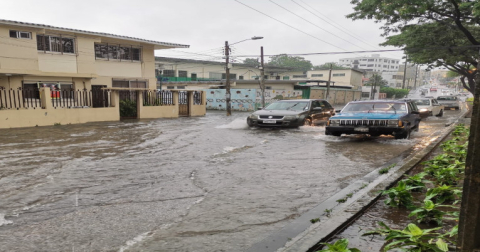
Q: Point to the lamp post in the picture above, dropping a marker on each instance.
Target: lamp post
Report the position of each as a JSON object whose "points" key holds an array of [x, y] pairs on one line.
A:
{"points": [[227, 72]]}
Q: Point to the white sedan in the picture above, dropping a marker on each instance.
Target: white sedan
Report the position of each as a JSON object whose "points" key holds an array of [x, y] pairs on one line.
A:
{"points": [[429, 107]]}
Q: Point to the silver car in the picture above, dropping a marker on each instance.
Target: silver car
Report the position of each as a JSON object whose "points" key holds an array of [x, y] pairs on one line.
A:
{"points": [[292, 113], [449, 101]]}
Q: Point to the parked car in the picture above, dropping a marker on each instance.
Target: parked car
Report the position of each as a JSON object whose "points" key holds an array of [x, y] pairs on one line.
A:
{"points": [[433, 89], [449, 101], [429, 107], [387, 117], [292, 113]]}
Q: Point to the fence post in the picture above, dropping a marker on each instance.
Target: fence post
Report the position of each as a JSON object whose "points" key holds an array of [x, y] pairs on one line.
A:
{"points": [[190, 102], [175, 101], [45, 98], [139, 103]]}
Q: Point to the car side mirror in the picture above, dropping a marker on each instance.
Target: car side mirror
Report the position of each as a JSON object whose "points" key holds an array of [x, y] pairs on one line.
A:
{"points": [[337, 111], [260, 108]]}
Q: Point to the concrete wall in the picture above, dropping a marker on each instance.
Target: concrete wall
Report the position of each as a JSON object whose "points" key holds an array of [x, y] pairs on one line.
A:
{"points": [[198, 110], [336, 96], [48, 115]]}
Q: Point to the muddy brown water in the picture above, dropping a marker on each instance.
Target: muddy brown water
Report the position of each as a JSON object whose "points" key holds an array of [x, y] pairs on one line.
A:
{"points": [[188, 184]]}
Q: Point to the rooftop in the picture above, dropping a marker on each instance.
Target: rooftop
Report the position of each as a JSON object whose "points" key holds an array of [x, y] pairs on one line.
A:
{"points": [[158, 44]]}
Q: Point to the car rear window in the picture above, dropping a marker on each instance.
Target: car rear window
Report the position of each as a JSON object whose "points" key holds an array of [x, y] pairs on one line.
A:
{"points": [[446, 98], [392, 107], [422, 102]]}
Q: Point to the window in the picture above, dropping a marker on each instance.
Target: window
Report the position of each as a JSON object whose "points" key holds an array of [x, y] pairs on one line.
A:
{"points": [[180, 87], [117, 52], [232, 76], [240, 77], [268, 87], [59, 44], [370, 59], [168, 73], [194, 76], [286, 77], [170, 87], [182, 74], [362, 65], [370, 65], [215, 76], [20, 34], [317, 75], [339, 74], [299, 76]]}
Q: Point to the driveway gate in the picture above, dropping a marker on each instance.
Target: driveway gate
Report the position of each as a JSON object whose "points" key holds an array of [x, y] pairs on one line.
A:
{"points": [[183, 103]]}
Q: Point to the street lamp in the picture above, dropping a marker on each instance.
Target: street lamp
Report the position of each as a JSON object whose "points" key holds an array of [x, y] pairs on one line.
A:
{"points": [[227, 71]]}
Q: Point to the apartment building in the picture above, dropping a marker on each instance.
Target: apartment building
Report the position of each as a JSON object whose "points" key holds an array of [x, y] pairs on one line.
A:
{"points": [[373, 63], [37, 55]]}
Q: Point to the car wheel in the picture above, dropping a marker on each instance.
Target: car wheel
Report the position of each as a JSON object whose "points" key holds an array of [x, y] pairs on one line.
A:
{"points": [[307, 122], [440, 114], [403, 135], [249, 122], [375, 135]]}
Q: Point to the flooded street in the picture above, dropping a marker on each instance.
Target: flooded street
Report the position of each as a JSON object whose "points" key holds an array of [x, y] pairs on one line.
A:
{"points": [[188, 184]]}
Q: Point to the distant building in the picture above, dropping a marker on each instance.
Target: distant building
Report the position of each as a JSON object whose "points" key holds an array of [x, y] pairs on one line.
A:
{"points": [[375, 63]]}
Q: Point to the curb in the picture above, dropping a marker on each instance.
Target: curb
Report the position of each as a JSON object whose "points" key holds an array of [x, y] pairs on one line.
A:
{"points": [[344, 215]]}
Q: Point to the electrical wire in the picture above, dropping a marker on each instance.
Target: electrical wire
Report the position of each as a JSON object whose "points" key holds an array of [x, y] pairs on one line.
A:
{"points": [[314, 24], [308, 34]]}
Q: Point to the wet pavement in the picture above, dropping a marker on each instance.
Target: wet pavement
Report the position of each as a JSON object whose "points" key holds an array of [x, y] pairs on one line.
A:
{"points": [[188, 184]]}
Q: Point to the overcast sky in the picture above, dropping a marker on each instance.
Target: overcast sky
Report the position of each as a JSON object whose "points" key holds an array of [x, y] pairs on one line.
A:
{"points": [[288, 26]]}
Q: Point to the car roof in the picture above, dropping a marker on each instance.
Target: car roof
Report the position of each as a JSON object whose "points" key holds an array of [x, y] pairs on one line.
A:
{"points": [[379, 101], [297, 100]]}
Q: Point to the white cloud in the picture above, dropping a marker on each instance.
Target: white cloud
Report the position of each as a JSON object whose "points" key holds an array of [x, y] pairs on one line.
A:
{"points": [[206, 25]]}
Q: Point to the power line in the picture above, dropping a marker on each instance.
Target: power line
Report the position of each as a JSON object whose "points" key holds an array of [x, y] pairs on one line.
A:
{"points": [[308, 34], [338, 27], [313, 23]]}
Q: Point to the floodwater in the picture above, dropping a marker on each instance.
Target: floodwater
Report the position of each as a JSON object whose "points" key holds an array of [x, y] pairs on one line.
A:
{"points": [[188, 184]]}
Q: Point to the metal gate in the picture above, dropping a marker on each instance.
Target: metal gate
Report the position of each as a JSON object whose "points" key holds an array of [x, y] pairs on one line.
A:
{"points": [[100, 97], [128, 104], [183, 103]]}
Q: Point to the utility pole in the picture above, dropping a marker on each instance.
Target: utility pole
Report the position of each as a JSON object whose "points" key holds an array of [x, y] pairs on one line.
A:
{"points": [[415, 83], [328, 83], [227, 73], [404, 72], [469, 223], [262, 77], [374, 85]]}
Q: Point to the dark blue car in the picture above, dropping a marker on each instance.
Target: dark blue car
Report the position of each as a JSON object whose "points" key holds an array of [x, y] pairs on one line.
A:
{"points": [[380, 117]]}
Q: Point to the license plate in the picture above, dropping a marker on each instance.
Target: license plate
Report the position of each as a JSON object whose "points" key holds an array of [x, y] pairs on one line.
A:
{"points": [[269, 121], [452, 108], [361, 129]]}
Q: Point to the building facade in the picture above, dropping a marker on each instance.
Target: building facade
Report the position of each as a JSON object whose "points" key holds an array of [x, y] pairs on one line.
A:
{"points": [[374, 63], [36, 55]]}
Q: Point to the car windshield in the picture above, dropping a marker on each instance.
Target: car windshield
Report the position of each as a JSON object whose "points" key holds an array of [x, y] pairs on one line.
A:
{"points": [[288, 105], [446, 98], [422, 102], [388, 107]]}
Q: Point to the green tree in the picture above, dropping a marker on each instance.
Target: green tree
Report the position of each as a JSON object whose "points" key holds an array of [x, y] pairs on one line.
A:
{"points": [[453, 23], [294, 62], [376, 80], [251, 62], [326, 66]]}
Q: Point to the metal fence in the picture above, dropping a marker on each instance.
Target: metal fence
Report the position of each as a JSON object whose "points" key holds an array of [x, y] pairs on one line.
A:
{"points": [[197, 98], [157, 98], [19, 98], [70, 98], [30, 98]]}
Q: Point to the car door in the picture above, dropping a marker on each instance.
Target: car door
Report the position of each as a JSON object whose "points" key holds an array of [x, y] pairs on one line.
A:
{"points": [[316, 111], [328, 110], [414, 118], [436, 107]]}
